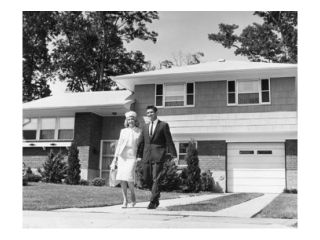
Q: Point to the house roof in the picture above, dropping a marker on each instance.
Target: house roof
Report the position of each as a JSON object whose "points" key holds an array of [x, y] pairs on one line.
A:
{"points": [[217, 70], [101, 102]]}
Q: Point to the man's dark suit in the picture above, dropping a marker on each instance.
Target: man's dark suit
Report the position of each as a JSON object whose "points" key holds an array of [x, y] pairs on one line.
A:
{"points": [[153, 150]]}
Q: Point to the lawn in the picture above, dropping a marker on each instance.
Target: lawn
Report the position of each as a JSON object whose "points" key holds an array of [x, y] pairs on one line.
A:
{"points": [[47, 196], [284, 206], [218, 203]]}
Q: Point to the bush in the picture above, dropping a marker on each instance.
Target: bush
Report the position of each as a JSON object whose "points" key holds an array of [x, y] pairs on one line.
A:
{"points": [[98, 182], [33, 177], [169, 179], [29, 171], [83, 182], [292, 190], [190, 177], [54, 168], [139, 176], [207, 182], [73, 169]]}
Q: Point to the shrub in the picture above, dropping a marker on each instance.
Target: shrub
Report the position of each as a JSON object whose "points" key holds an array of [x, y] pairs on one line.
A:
{"points": [[73, 168], [24, 180], [139, 176], [29, 171], [207, 182], [191, 181], [292, 190], [33, 177], [98, 182], [54, 168], [83, 182], [169, 179]]}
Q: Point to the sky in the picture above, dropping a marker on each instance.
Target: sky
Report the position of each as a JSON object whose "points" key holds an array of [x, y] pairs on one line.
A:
{"points": [[186, 32]]}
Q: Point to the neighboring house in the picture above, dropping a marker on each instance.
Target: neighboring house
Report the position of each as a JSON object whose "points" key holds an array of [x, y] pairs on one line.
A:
{"points": [[242, 116]]}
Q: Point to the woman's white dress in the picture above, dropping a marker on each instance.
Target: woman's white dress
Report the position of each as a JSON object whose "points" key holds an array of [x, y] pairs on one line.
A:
{"points": [[127, 158]]}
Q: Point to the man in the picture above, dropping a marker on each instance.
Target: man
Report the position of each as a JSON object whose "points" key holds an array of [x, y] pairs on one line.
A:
{"points": [[153, 144]]}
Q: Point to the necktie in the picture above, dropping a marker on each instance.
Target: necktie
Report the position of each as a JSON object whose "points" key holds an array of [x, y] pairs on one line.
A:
{"points": [[151, 129]]}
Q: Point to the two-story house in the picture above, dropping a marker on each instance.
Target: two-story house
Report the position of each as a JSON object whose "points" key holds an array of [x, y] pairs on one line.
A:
{"points": [[242, 116]]}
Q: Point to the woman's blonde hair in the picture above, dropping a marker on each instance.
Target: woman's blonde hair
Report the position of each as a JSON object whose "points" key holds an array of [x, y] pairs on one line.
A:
{"points": [[136, 122]]}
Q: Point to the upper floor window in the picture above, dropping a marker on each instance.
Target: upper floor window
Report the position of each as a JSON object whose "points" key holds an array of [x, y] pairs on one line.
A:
{"points": [[48, 128], [250, 91], [174, 95]]}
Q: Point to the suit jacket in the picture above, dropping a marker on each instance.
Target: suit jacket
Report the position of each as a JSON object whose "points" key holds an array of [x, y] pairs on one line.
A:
{"points": [[154, 149]]}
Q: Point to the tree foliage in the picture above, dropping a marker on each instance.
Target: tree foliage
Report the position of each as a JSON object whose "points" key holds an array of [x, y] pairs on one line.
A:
{"points": [[273, 41], [38, 29], [73, 168], [54, 168], [191, 178], [181, 59], [91, 48]]}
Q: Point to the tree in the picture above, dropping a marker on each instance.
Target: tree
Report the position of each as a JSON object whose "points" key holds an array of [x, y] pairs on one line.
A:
{"points": [[73, 168], [191, 178], [273, 41], [54, 168], [91, 49], [38, 29], [180, 59]]}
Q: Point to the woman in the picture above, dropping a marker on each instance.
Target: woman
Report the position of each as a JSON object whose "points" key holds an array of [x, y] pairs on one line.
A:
{"points": [[125, 156]]}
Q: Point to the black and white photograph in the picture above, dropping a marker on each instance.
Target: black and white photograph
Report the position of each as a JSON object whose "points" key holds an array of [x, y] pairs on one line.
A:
{"points": [[158, 120]]}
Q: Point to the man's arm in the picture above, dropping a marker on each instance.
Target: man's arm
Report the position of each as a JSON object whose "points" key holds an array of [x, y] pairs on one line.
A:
{"points": [[169, 141]]}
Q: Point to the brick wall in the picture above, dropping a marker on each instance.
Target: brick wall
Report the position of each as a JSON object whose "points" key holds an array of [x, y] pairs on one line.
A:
{"points": [[111, 127], [217, 163], [35, 157], [212, 156], [87, 134], [291, 164]]}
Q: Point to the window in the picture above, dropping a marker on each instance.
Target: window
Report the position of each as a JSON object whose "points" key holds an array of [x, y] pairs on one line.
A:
{"points": [[264, 152], [66, 126], [30, 128], [47, 128], [174, 95], [108, 150], [182, 153], [182, 148], [249, 91], [246, 152]]}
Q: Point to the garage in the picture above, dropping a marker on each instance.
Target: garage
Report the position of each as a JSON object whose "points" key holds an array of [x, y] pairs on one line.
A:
{"points": [[256, 167]]}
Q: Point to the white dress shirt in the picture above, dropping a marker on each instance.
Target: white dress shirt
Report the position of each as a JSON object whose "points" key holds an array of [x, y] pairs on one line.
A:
{"points": [[155, 122]]}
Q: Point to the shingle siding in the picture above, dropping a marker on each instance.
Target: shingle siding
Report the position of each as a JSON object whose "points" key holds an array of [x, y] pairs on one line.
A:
{"points": [[211, 98]]}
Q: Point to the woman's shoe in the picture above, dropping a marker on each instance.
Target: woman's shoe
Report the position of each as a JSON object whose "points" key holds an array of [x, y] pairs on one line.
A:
{"points": [[124, 205], [132, 204]]}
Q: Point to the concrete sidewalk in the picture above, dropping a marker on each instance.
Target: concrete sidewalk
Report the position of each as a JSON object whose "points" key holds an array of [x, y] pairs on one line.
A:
{"points": [[243, 210], [238, 216]]}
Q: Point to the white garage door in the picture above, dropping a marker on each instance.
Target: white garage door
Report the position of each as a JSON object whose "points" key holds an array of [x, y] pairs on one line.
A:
{"points": [[256, 167]]}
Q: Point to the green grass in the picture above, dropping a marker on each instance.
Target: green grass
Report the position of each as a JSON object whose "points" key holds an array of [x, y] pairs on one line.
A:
{"points": [[284, 206], [46, 196], [218, 203]]}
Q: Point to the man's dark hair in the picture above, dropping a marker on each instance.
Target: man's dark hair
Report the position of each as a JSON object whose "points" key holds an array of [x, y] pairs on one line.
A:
{"points": [[153, 108]]}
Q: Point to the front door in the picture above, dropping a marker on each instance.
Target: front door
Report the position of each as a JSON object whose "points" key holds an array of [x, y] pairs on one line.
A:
{"points": [[106, 157]]}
